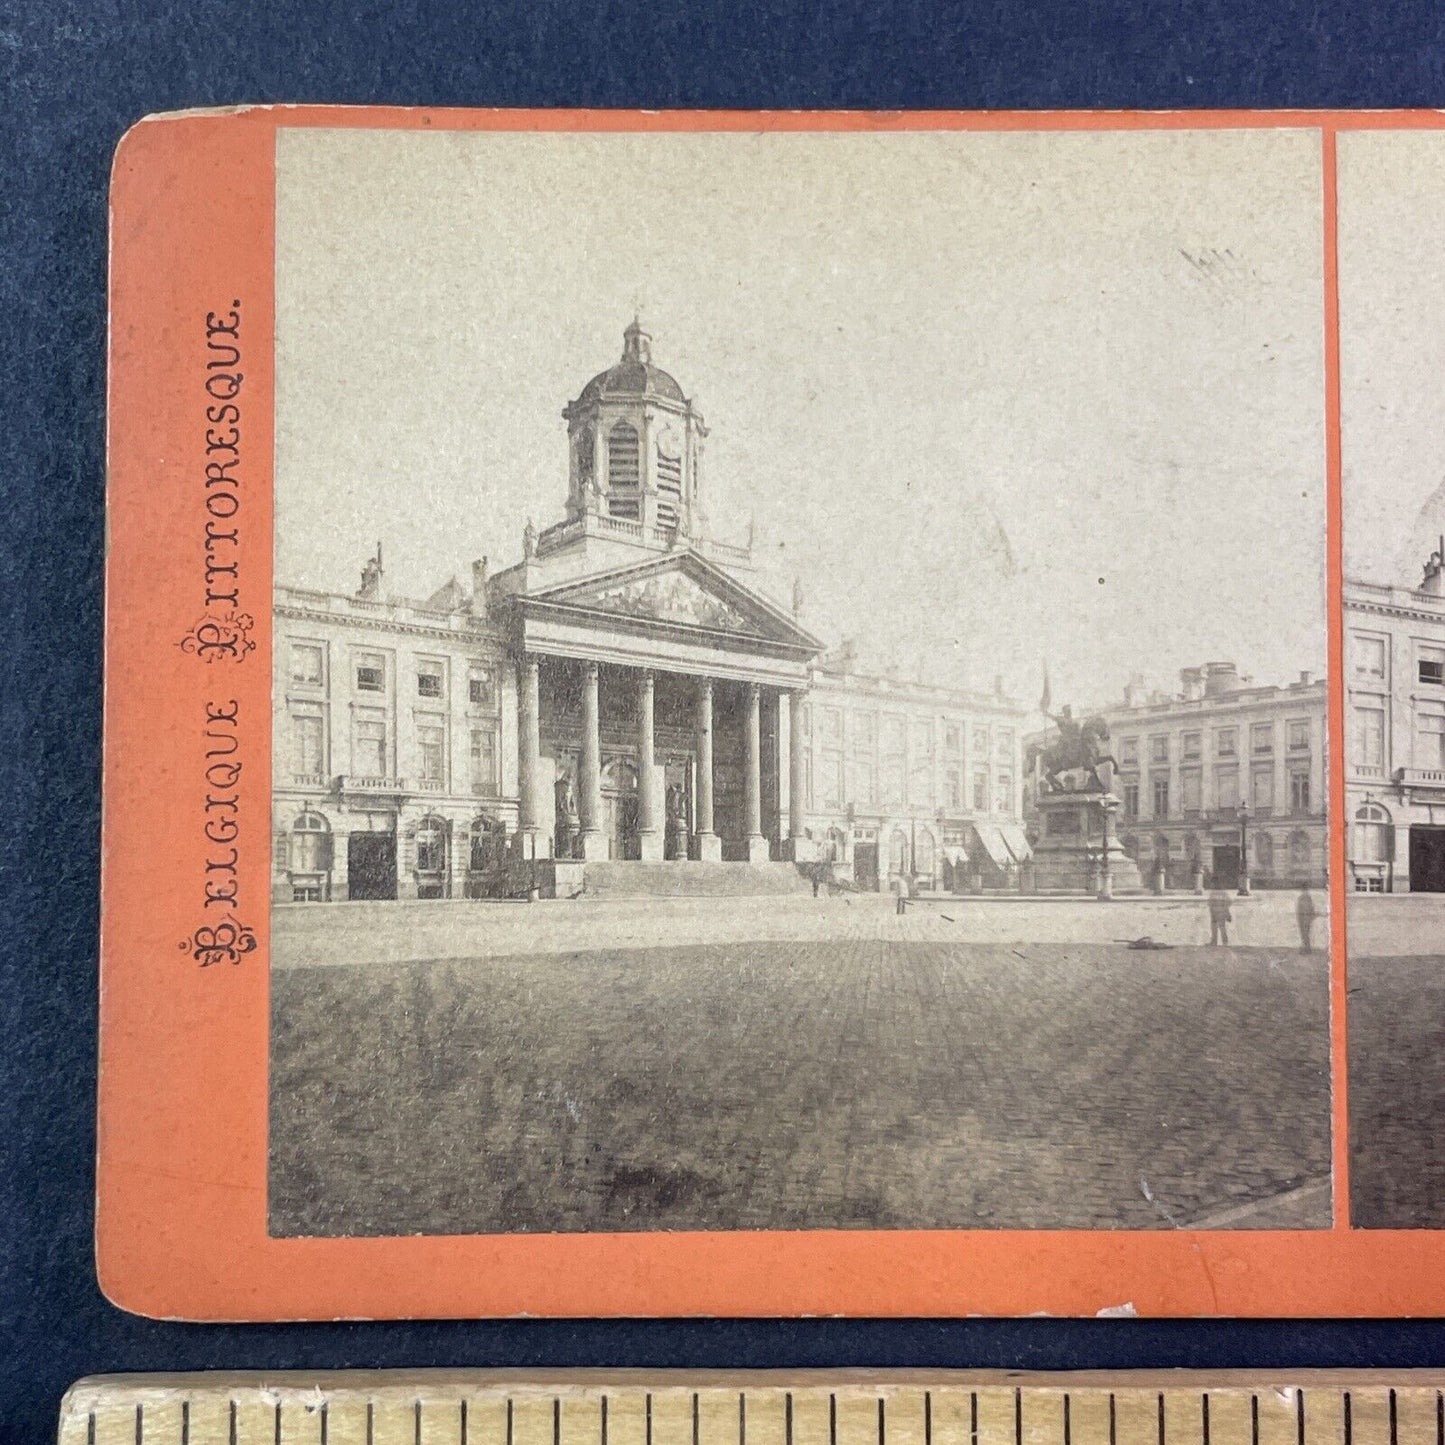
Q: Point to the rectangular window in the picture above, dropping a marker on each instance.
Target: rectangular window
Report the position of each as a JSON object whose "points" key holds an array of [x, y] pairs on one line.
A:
{"points": [[863, 741], [1159, 748], [980, 790], [1298, 733], [920, 763], [370, 748], [1430, 740], [863, 780], [953, 786], [1128, 751], [1299, 791], [832, 761], [980, 742], [1003, 793], [484, 762], [308, 664], [370, 672], [1193, 746], [1161, 797], [953, 738], [830, 727], [894, 782], [1191, 785], [429, 678], [1226, 742], [308, 744], [1370, 737], [1369, 654], [1261, 739], [1432, 666], [481, 687], [1262, 790], [1131, 801], [1226, 789], [1004, 741], [431, 747]]}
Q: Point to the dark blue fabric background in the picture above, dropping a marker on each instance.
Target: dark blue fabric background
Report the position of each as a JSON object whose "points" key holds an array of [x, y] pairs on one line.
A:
{"points": [[74, 77]]}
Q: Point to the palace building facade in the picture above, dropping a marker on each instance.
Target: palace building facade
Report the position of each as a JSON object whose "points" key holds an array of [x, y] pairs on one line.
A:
{"points": [[1395, 739], [1222, 766], [624, 692]]}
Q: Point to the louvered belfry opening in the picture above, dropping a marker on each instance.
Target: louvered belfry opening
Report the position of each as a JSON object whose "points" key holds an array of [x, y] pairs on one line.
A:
{"points": [[624, 472]]}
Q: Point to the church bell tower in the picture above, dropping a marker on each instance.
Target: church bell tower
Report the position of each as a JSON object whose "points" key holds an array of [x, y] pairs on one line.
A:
{"points": [[635, 447]]}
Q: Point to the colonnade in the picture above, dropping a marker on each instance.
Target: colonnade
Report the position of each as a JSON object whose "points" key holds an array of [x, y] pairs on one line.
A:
{"points": [[535, 823]]}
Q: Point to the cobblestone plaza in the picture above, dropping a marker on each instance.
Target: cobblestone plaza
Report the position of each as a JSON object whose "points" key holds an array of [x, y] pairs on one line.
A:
{"points": [[689, 1064]]}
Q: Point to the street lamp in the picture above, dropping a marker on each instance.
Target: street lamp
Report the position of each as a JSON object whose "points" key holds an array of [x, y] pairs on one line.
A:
{"points": [[1244, 849]]}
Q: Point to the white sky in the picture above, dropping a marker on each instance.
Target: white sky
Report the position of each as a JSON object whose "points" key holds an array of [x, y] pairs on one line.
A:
{"points": [[1392, 349], [1110, 343]]}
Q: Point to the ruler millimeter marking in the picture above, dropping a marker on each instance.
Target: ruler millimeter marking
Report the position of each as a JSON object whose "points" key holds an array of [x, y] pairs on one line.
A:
{"points": [[818, 1408]]}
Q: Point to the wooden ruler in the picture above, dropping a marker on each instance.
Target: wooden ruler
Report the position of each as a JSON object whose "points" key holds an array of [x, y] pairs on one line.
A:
{"points": [[821, 1408]]}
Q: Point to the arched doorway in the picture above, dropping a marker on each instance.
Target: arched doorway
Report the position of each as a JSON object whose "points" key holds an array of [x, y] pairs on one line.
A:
{"points": [[487, 852], [897, 853], [309, 860], [431, 857], [619, 808]]}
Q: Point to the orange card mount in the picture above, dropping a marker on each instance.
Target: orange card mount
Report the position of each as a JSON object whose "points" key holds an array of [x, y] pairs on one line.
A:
{"points": [[880, 849]]}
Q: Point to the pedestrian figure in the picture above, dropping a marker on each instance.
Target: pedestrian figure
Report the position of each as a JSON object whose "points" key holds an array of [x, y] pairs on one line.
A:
{"points": [[1220, 915], [900, 885], [1305, 913]]}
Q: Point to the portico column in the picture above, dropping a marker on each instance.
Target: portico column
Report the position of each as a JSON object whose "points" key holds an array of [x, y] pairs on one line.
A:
{"points": [[530, 832], [589, 804], [709, 845], [649, 826], [796, 800], [753, 777]]}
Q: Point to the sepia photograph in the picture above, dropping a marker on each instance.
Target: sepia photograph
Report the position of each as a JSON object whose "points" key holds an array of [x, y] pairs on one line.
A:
{"points": [[799, 691], [1392, 321]]}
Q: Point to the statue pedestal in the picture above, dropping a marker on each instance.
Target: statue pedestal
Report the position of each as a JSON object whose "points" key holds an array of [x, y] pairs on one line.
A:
{"points": [[1077, 842]]}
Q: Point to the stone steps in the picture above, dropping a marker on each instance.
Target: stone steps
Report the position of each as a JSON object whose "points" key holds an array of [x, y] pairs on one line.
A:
{"points": [[693, 880]]}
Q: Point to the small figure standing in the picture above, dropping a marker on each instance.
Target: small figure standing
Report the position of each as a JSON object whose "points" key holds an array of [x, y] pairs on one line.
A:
{"points": [[1220, 915], [1305, 914]]}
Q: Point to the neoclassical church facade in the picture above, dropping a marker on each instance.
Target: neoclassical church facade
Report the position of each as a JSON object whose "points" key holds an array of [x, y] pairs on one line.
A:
{"points": [[626, 692]]}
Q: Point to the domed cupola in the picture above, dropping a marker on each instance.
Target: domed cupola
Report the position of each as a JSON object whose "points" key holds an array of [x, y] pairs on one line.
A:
{"points": [[636, 443]]}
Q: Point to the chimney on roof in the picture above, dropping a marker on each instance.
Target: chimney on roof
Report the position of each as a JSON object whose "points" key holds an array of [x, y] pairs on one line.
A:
{"points": [[1220, 678], [1305, 678], [1135, 692], [1191, 683], [479, 588]]}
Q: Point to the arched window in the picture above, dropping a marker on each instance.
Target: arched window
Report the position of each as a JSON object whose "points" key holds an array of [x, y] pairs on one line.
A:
{"points": [[624, 471], [488, 844], [1373, 834], [431, 846], [310, 844], [923, 854], [897, 851], [1299, 853], [1263, 853]]}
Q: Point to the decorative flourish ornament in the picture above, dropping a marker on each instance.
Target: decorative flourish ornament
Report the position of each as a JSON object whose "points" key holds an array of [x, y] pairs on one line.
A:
{"points": [[215, 639]]}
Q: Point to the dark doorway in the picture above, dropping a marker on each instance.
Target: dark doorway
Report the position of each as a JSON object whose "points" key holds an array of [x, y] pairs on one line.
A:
{"points": [[1427, 860], [1226, 866], [865, 866], [371, 865]]}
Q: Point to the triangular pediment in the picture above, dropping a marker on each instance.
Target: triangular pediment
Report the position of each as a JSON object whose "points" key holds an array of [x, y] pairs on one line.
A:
{"points": [[688, 592]]}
